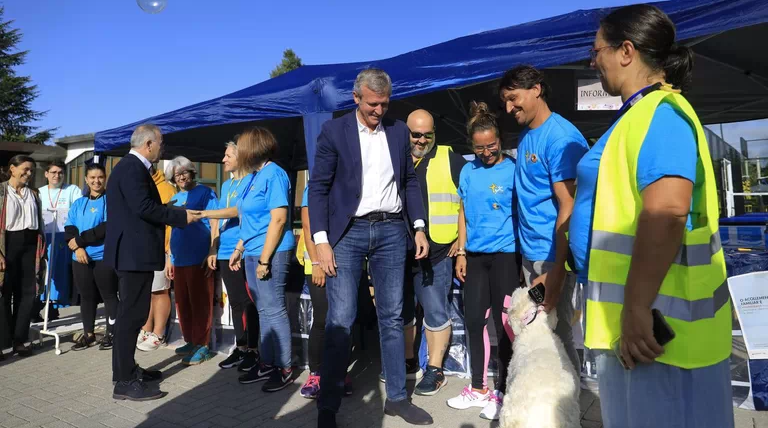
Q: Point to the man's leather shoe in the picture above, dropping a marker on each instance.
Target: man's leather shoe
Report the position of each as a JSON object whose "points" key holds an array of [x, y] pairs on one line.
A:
{"points": [[406, 410], [135, 390], [326, 419], [148, 375]]}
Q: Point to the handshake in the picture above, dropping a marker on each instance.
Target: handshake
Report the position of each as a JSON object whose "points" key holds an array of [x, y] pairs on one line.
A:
{"points": [[193, 216]]}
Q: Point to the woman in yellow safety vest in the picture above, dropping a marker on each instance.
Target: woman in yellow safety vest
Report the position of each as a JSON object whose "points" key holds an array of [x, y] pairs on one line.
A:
{"points": [[644, 235]]}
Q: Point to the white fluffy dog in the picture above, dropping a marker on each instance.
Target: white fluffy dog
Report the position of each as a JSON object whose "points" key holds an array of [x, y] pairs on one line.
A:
{"points": [[542, 386]]}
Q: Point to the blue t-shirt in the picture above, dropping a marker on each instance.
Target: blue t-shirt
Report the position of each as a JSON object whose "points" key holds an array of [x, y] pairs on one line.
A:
{"points": [[669, 149], [229, 230], [269, 189], [546, 155], [305, 197], [486, 193], [86, 213], [189, 246]]}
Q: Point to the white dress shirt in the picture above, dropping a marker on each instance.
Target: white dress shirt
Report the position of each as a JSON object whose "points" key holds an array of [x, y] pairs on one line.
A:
{"points": [[143, 160], [379, 188], [20, 210]]}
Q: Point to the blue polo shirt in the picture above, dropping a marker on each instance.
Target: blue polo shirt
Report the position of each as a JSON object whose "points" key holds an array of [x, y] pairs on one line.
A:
{"points": [[268, 189], [669, 149], [486, 193], [189, 246], [546, 155], [84, 214], [229, 230]]}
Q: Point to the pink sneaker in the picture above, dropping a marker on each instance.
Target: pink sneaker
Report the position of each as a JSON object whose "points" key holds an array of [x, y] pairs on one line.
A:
{"points": [[311, 387]]}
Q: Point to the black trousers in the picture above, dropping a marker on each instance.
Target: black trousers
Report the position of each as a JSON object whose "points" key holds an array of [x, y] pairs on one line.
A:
{"points": [[317, 333], [244, 313], [94, 279], [135, 289], [491, 279], [19, 286]]}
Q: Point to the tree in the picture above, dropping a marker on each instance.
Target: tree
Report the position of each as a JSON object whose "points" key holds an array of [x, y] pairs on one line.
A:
{"points": [[290, 61], [17, 92]]}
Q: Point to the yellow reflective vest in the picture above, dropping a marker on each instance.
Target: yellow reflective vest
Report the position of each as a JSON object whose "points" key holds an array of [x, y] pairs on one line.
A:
{"points": [[694, 296], [443, 198]]}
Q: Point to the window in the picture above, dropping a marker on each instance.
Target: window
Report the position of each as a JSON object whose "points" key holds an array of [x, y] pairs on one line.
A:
{"points": [[76, 168]]}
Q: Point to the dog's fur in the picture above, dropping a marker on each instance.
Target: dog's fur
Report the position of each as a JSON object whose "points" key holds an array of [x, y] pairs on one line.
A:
{"points": [[542, 386]]}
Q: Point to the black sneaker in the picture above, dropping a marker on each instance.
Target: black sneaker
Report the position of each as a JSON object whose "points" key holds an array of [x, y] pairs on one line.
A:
{"points": [[106, 342], [235, 358], [433, 381], [84, 342], [135, 390], [251, 360], [258, 374], [412, 371], [278, 380]]}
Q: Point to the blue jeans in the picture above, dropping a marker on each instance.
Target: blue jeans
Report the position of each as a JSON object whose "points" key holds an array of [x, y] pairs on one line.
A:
{"points": [[431, 285], [384, 243], [660, 395], [269, 297]]}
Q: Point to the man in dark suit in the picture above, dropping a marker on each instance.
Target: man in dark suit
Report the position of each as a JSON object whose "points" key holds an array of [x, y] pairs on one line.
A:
{"points": [[365, 202], [134, 247]]}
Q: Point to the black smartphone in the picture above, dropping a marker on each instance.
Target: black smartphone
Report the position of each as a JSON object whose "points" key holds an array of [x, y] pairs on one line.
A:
{"points": [[662, 332], [537, 293]]}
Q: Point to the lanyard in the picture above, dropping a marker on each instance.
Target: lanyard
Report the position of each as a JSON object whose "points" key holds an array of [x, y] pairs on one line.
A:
{"points": [[634, 99], [53, 206], [253, 175], [232, 192], [88, 201]]}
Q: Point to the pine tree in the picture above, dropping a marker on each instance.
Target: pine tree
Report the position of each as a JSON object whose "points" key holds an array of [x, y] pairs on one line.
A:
{"points": [[17, 92], [290, 62]]}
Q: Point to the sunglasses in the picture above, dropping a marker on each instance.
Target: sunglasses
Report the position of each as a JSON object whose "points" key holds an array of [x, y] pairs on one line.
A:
{"points": [[418, 135]]}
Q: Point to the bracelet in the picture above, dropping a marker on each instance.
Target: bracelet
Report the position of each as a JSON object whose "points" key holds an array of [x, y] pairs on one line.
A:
{"points": [[315, 263], [240, 250], [461, 254], [263, 264]]}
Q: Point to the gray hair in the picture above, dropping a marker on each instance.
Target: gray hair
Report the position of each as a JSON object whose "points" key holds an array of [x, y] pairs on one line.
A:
{"points": [[179, 162], [144, 133], [231, 144], [376, 80]]}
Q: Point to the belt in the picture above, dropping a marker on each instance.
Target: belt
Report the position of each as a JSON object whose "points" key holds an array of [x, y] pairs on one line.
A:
{"points": [[380, 216]]}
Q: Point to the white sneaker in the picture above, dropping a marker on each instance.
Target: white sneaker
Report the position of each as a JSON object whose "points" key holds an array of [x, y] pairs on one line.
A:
{"points": [[150, 344], [469, 398], [492, 410], [142, 337]]}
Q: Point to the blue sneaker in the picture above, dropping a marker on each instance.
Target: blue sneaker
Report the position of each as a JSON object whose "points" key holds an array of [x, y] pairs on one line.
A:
{"points": [[187, 349], [201, 355]]}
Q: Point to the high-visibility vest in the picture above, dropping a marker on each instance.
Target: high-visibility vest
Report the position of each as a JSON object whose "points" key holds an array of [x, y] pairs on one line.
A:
{"points": [[443, 198], [694, 296]]}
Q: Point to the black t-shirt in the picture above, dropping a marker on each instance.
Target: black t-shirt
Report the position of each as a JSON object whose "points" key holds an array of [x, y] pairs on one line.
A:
{"points": [[437, 252]]}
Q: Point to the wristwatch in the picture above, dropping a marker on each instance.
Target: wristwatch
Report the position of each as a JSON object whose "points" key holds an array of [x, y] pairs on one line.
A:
{"points": [[420, 229]]}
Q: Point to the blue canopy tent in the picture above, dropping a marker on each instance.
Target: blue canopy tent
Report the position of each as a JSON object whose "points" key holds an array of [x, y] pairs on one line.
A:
{"points": [[730, 82]]}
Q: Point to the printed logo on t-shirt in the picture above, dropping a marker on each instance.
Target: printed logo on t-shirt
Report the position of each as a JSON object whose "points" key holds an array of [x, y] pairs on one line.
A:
{"points": [[531, 157], [495, 189], [93, 210]]}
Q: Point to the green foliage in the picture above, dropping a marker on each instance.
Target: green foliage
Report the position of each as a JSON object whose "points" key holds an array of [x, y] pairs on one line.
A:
{"points": [[290, 62], [17, 92]]}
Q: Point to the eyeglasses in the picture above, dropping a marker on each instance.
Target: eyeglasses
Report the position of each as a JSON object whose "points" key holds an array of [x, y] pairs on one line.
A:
{"points": [[183, 173], [490, 147], [419, 135], [594, 51]]}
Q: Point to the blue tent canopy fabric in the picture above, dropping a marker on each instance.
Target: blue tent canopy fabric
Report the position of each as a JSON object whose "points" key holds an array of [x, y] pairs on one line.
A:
{"points": [[316, 91]]}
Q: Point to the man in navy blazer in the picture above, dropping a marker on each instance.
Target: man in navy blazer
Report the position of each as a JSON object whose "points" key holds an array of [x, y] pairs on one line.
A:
{"points": [[135, 247], [365, 203]]}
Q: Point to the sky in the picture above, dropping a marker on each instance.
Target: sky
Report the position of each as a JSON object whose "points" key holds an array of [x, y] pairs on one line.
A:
{"points": [[100, 64]]}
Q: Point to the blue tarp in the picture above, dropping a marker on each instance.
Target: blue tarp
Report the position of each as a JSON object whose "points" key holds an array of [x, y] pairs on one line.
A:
{"points": [[469, 60]]}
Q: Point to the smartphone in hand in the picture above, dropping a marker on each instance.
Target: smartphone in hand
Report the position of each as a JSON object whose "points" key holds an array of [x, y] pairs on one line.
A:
{"points": [[662, 332]]}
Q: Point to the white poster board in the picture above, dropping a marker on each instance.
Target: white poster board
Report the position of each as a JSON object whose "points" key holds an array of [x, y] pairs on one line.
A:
{"points": [[54, 224], [591, 96], [750, 298]]}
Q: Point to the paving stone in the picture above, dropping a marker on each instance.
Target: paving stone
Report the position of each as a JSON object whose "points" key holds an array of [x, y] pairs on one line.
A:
{"points": [[115, 422], [11, 421]]}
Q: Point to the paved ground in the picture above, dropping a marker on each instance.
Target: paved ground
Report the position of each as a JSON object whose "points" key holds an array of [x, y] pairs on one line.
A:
{"points": [[74, 390]]}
